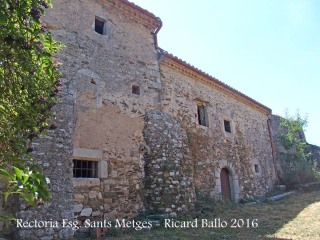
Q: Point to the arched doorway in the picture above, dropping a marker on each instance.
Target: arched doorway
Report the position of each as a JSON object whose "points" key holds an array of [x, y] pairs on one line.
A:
{"points": [[225, 184]]}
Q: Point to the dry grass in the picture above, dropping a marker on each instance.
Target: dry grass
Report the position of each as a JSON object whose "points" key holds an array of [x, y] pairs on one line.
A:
{"points": [[295, 217], [306, 225]]}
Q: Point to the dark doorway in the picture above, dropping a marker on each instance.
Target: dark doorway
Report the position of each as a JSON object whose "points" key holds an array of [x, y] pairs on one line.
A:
{"points": [[225, 184]]}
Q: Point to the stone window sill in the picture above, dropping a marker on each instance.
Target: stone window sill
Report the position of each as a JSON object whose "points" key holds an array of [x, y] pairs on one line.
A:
{"points": [[85, 182]]}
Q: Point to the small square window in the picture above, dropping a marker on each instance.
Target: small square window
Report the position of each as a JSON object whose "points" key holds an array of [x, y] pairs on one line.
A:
{"points": [[99, 26], [227, 126], [85, 169], [202, 115], [136, 89], [256, 168]]}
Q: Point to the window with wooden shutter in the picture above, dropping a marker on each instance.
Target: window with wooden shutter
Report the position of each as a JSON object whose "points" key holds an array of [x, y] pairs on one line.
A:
{"points": [[202, 115]]}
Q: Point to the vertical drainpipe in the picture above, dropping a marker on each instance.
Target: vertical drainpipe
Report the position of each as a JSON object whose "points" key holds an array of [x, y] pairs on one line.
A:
{"points": [[160, 54], [155, 32], [160, 51], [273, 150]]}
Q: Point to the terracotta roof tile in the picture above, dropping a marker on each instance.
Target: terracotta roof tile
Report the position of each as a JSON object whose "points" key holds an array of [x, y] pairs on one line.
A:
{"points": [[217, 82], [142, 10]]}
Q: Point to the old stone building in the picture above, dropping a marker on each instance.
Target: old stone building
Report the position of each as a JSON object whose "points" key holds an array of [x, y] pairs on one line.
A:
{"points": [[140, 130]]}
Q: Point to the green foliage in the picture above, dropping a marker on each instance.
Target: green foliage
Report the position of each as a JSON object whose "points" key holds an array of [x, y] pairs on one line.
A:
{"points": [[29, 82], [7, 220], [298, 166], [293, 132], [31, 185]]}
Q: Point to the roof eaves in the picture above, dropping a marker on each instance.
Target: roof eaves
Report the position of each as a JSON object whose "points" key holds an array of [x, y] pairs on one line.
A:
{"points": [[134, 11], [218, 84]]}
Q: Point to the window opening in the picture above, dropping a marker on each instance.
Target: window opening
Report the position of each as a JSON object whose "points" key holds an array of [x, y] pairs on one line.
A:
{"points": [[202, 115], [99, 26], [85, 169], [227, 126], [135, 89], [256, 168]]}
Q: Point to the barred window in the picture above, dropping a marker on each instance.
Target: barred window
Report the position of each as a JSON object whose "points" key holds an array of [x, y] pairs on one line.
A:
{"points": [[85, 169]]}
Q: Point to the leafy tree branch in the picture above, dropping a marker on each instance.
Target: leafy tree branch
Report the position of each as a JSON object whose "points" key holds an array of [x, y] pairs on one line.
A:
{"points": [[29, 83]]}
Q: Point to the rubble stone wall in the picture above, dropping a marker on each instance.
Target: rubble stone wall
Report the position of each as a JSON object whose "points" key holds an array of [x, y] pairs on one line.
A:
{"points": [[108, 116], [53, 153], [212, 148], [169, 183], [101, 113]]}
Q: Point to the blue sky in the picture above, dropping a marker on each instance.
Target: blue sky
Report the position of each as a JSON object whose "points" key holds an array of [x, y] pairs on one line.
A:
{"points": [[267, 49]]}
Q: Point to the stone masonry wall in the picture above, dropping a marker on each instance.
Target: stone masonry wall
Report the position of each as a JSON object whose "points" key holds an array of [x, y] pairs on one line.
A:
{"points": [[53, 152], [101, 114], [169, 186], [108, 117], [280, 151], [212, 148]]}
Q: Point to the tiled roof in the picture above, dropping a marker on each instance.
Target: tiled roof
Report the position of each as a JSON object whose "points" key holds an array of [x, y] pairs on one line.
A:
{"points": [[134, 11], [144, 11], [197, 73]]}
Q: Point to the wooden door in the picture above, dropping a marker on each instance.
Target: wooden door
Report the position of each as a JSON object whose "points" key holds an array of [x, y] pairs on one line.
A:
{"points": [[225, 184]]}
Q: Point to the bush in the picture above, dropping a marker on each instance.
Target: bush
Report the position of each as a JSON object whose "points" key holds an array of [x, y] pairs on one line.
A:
{"points": [[297, 163]]}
